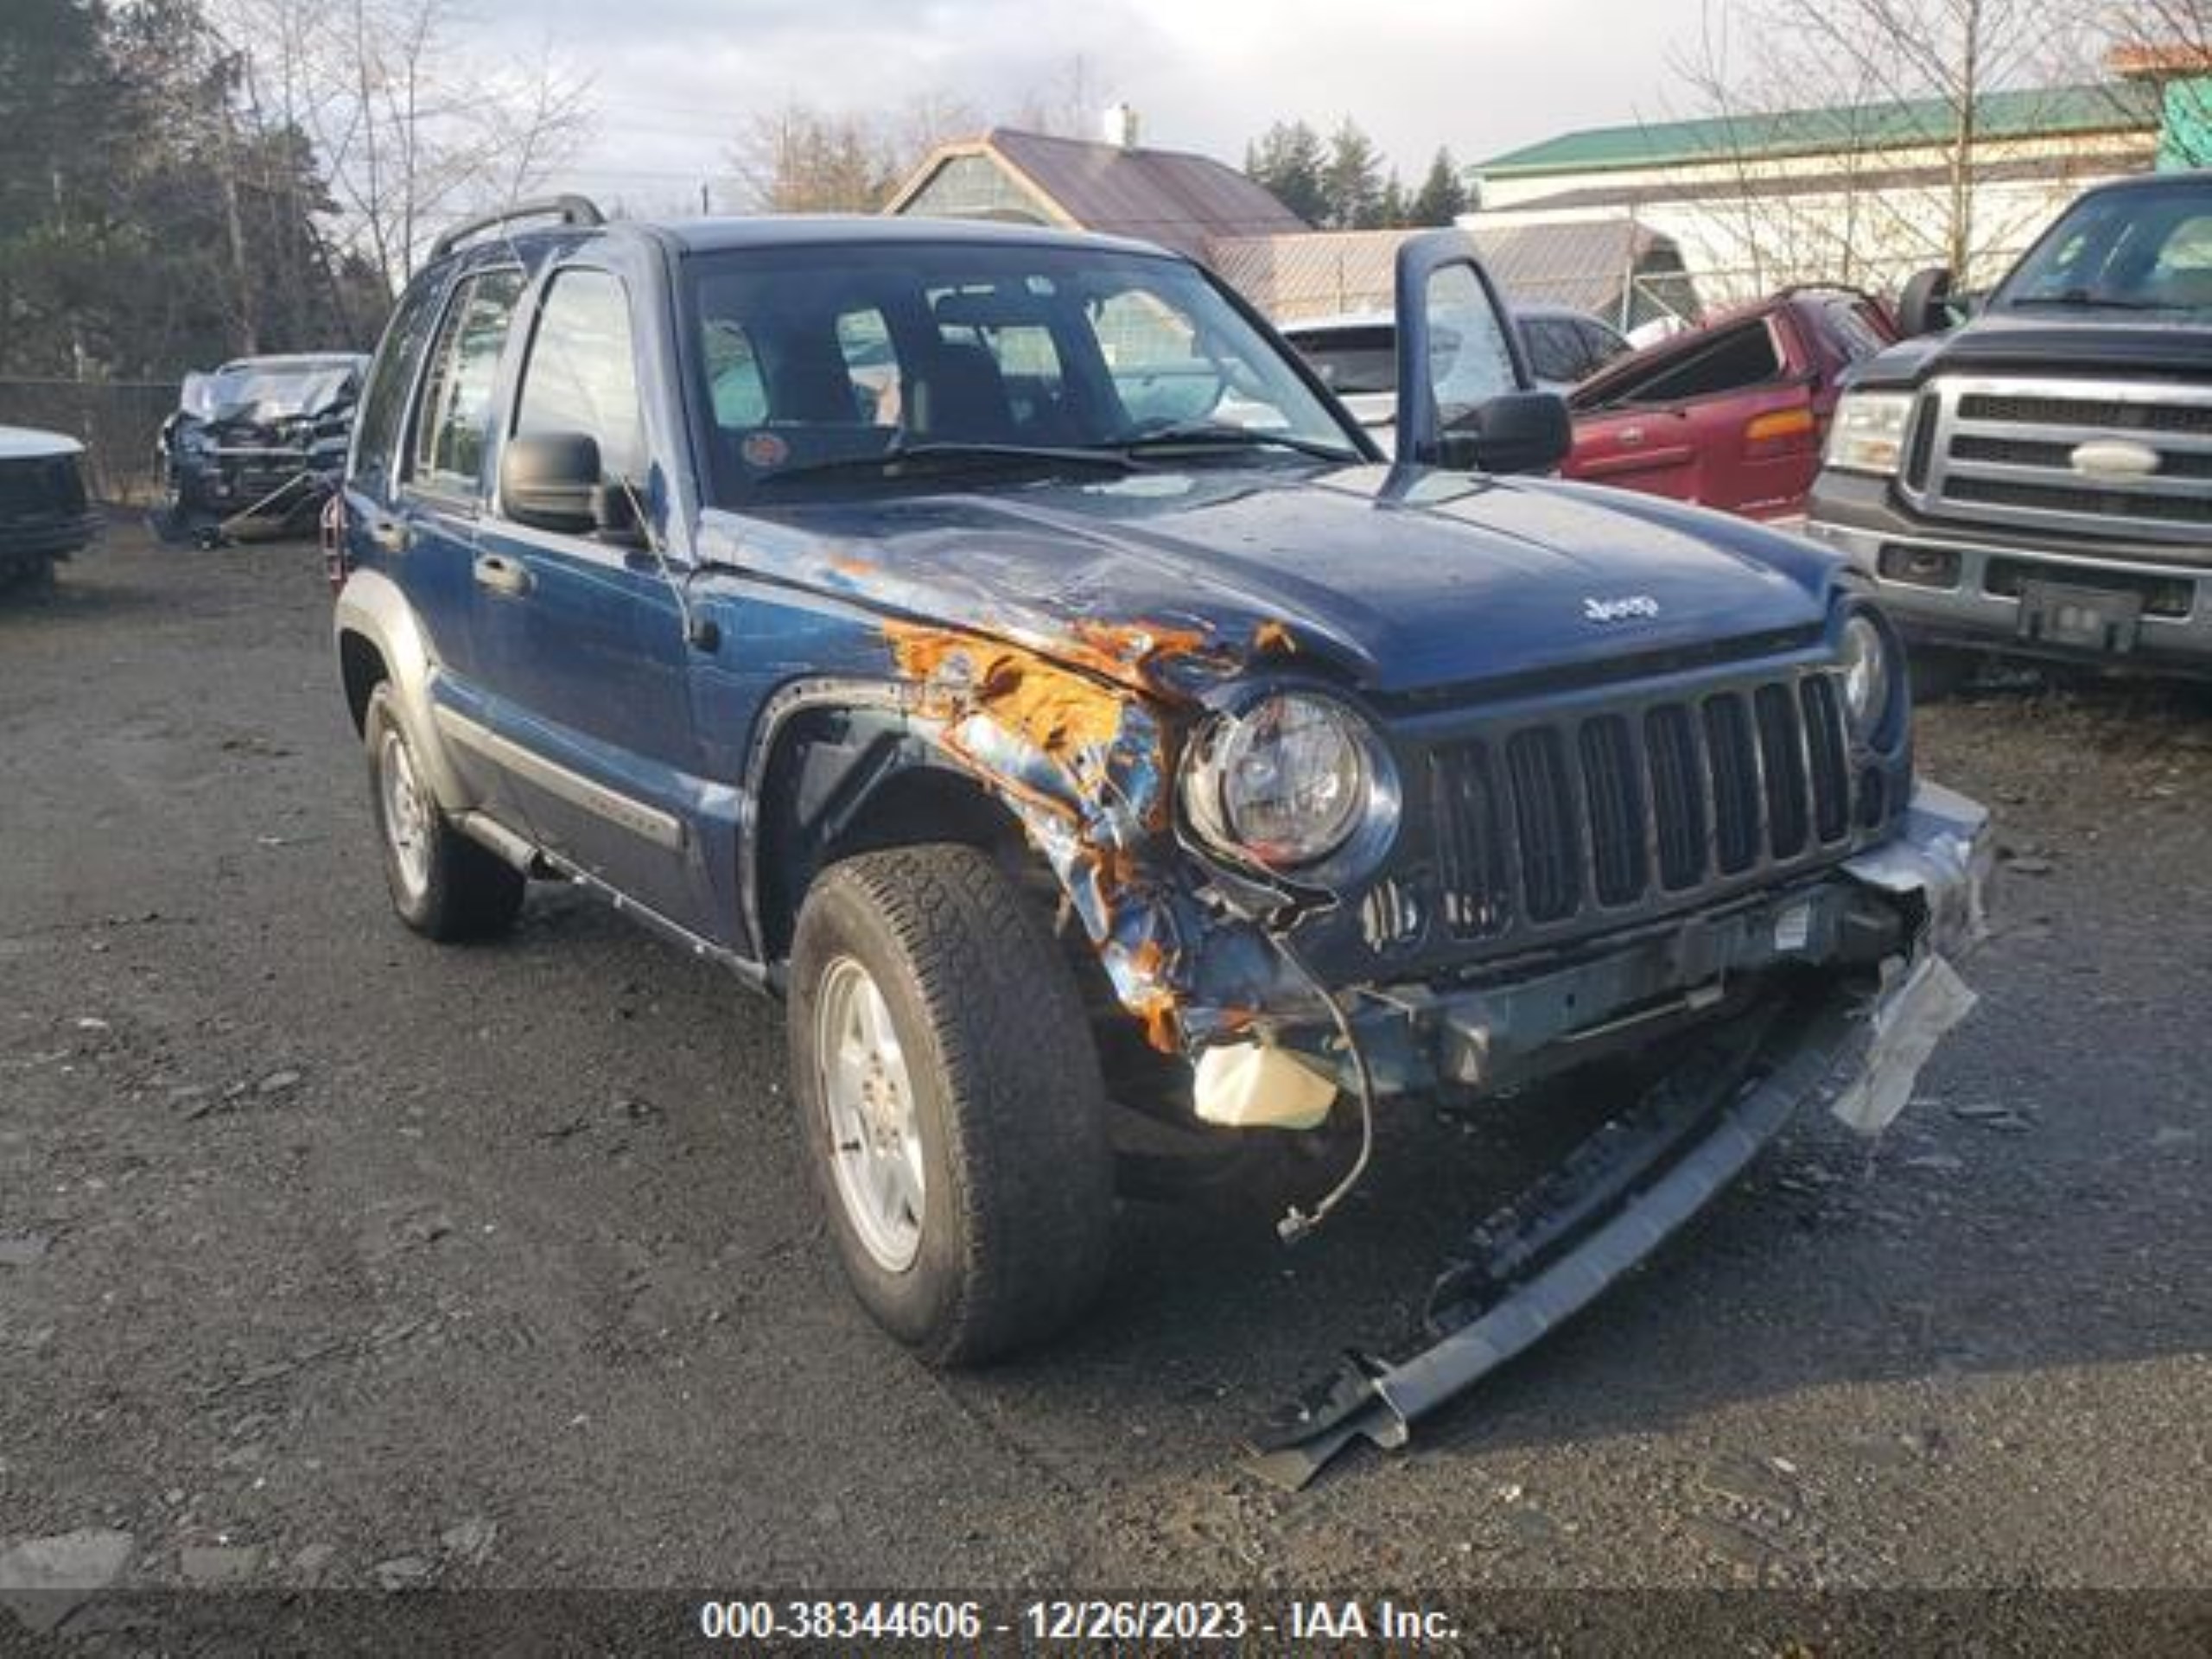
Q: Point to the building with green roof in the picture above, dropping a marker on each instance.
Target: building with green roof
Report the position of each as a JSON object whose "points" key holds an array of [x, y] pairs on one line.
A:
{"points": [[1862, 194]]}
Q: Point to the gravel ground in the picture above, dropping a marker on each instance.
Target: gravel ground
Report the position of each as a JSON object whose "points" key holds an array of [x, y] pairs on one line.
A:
{"points": [[328, 1257]]}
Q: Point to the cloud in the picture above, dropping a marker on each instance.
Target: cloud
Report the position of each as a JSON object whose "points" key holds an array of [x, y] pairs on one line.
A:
{"points": [[677, 79]]}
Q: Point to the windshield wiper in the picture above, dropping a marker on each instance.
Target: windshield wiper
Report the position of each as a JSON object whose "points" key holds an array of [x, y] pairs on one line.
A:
{"points": [[2081, 299], [893, 461], [1212, 436]]}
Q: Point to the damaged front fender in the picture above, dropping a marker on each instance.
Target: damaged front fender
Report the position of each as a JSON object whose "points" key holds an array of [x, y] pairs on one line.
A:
{"points": [[1082, 752]]}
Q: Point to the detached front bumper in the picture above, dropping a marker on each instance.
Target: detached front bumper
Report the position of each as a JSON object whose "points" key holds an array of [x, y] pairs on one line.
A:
{"points": [[1861, 1033], [1880, 913]]}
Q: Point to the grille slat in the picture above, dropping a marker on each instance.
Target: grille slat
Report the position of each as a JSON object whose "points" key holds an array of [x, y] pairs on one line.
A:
{"points": [[1782, 769], [1544, 812], [1474, 865], [1732, 759], [1613, 785], [1548, 823], [1678, 795], [1830, 767]]}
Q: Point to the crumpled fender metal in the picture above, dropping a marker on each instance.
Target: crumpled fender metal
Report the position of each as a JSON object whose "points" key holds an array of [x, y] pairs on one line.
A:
{"points": [[1081, 746], [1942, 854], [372, 605]]}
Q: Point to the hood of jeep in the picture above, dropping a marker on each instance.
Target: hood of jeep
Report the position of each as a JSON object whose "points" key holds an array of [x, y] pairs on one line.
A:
{"points": [[1397, 582]]}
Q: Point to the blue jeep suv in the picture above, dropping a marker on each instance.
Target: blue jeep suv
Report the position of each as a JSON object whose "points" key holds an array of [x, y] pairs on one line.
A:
{"points": [[996, 643]]}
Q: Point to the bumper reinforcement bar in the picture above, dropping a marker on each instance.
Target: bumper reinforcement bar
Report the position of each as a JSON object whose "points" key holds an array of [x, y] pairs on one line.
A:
{"points": [[1553, 1250]]}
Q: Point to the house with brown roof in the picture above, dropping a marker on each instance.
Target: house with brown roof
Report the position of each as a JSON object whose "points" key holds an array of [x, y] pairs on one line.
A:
{"points": [[1205, 208], [1179, 199]]}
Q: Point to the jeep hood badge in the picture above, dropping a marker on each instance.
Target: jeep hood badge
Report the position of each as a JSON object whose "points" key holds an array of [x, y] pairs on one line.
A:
{"points": [[1620, 610]]}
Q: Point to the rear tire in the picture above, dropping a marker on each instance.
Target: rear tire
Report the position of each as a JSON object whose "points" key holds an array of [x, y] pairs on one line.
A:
{"points": [[443, 885], [951, 1103]]}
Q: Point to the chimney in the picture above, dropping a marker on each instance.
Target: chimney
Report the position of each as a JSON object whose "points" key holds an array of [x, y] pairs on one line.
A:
{"points": [[1121, 126]]}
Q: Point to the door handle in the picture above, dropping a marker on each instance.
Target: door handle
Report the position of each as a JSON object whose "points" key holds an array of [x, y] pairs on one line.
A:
{"points": [[501, 574], [389, 535], [1631, 436]]}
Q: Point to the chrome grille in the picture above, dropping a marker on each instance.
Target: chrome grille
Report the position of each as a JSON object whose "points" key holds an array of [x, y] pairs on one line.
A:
{"points": [[1568, 822], [2003, 451]]}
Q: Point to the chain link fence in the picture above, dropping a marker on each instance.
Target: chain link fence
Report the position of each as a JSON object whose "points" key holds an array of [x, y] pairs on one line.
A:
{"points": [[117, 421]]}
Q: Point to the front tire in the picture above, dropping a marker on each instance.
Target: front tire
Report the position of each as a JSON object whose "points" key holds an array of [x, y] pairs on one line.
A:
{"points": [[443, 885], [951, 1102]]}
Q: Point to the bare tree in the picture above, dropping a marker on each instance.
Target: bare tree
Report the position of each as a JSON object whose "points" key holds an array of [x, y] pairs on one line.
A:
{"points": [[415, 123], [1067, 105], [2167, 45], [801, 160], [1864, 85]]}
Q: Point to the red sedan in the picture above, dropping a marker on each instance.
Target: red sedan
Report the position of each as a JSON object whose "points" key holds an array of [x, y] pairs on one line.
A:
{"points": [[1732, 414]]}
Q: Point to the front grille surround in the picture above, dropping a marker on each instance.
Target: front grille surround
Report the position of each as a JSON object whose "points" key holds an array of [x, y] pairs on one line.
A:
{"points": [[2000, 451]]}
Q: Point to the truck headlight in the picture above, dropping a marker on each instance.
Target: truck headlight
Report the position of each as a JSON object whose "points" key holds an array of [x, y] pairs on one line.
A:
{"points": [[1295, 782], [1869, 669], [1868, 436]]}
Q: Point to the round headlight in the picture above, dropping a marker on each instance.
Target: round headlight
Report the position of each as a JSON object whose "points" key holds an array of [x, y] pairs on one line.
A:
{"points": [[1288, 782], [1865, 661]]}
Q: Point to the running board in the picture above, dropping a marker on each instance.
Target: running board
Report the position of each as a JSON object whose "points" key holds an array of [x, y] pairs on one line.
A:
{"points": [[1552, 1251]]}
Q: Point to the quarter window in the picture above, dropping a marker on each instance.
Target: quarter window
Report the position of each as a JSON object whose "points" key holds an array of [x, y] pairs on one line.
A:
{"points": [[582, 372], [456, 410]]}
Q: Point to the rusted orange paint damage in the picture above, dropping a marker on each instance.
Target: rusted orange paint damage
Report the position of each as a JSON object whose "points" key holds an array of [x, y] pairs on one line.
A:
{"points": [[1083, 759]]}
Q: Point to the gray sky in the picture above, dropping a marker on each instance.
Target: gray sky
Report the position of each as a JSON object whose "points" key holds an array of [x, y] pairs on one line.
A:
{"points": [[675, 77]]}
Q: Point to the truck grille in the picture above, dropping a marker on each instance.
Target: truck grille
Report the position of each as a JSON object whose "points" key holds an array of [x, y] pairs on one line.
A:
{"points": [[40, 487], [2003, 452], [1572, 822]]}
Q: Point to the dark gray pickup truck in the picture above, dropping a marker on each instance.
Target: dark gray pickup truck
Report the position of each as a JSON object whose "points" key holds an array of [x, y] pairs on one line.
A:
{"points": [[2040, 481], [44, 514]]}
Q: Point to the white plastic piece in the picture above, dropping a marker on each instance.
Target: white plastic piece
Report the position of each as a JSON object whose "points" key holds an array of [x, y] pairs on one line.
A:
{"points": [[1911, 1017], [1252, 1086]]}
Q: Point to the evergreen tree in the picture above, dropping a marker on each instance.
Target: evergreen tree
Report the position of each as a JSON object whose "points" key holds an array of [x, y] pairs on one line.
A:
{"points": [[1391, 213], [1442, 198], [148, 224], [1351, 181], [1287, 160]]}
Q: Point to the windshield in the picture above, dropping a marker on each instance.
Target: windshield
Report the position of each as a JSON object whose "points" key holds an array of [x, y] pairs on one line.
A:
{"points": [[2141, 249], [270, 390], [813, 360]]}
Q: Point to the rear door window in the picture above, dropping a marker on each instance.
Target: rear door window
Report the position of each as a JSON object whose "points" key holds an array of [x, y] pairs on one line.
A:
{"points": [[1856, 328], [1554, 352], [454, 418], [1600, 345], [383, 404], [582, 372]]}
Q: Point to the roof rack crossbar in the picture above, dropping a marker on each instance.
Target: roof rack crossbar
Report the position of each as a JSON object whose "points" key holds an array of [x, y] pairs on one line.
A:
{"points": [[568, 209]]}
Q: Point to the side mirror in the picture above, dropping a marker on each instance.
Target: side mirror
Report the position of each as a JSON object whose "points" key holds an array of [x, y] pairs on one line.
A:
{"points": [[1924, 306], [1521, 432], [549, 479]]}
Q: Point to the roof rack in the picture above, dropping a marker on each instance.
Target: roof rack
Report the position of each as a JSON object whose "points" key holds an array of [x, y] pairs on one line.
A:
{"points": [[569, 210]]}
